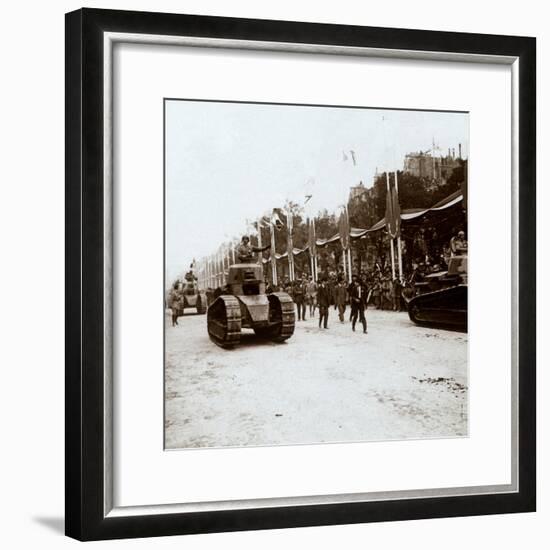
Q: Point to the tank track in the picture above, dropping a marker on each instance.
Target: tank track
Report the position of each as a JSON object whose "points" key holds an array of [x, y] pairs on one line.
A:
{"points": [[288, 314], [201, 305], [282, 318], [224, 321]]}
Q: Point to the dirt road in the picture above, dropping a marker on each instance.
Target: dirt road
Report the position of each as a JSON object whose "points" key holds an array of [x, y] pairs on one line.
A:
{"points": [[399, 381]]}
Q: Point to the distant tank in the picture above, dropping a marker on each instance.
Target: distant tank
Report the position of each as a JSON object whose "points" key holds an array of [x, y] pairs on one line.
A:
{"points": [[243, 303], [441, 299], [186, 295]]}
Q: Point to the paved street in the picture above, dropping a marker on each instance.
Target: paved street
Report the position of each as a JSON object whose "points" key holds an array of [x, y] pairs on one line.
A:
{"points": [[399, 381]]}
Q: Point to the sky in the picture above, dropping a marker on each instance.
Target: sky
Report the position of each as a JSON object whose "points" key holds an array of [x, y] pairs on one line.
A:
{"points": [[231, 162]]}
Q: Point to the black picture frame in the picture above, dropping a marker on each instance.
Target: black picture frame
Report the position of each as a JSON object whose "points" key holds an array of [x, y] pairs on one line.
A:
{"points": [[84, 455]]}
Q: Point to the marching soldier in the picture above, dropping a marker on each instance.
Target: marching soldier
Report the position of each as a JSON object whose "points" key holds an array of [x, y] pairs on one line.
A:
{"points": [[323, 301], [311, 296], [340, 299], [357, 300], [175, 305], [298, 295]]}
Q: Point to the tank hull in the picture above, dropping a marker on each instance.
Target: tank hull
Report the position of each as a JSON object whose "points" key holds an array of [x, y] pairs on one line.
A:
{"points": [[447, 308], [271, 316], [195, 301]]}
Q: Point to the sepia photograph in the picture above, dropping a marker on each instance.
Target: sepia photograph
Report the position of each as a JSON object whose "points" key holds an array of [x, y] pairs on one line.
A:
{"points": [[316, 274]]}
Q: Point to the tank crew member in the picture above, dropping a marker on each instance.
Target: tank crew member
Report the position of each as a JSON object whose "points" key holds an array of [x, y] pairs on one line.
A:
{"points": [[245, 251], [323, 301], [357, 300], [190, 276], [459, 244]]}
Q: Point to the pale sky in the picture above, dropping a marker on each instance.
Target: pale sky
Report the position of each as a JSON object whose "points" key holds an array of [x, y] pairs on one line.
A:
{"points": [[229, 162]]}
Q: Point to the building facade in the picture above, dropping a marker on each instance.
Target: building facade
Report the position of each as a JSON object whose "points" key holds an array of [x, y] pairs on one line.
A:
{"points": [[436, 168]]}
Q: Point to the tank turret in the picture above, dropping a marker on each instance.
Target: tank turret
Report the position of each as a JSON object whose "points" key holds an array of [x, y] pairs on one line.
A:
{"points": [[186, 295]]}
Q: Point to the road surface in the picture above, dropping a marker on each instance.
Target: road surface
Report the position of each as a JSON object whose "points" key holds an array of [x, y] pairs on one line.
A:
{"points": [[399, 381]]}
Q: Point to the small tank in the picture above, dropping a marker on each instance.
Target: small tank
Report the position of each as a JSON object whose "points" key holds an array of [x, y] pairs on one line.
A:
{"points": [[441, 299], [243, 303], [186, 295]]}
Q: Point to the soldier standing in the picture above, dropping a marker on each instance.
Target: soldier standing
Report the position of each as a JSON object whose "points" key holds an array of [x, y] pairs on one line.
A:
{"points": [[340, 299], [323, 301], [311, 294], [459, 244], [397, 287], [386, 290], [298, 295], [357, 300], [175, 304]]}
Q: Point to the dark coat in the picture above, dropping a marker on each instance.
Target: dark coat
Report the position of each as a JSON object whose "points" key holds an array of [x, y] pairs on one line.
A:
{"points": [[340, 295], [323, 296], [358, 296]]}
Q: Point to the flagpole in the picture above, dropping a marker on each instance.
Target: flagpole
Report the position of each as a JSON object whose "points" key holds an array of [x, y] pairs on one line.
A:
{"points": [[215, 270], [227, 254], [272, 254], [399, 258], [392, 250], [259, 235], [310, 251], [315, 264], [344, 262], [290, 246], [350, 264]]}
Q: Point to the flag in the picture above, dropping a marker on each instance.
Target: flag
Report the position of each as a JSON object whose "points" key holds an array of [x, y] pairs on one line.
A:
{"points": [[312, 238], [393, 212], [343, 228], [276, 221], [352, 154], [464, 187], [290, 244]]}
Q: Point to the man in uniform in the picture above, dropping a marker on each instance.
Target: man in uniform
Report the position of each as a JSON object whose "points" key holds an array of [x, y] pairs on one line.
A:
{"points": [[245, 251], [340, 299], [357, 300], [175, 302], [323, 301], [311, 294], [459, 244], [298, 295], [190, 276]]}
